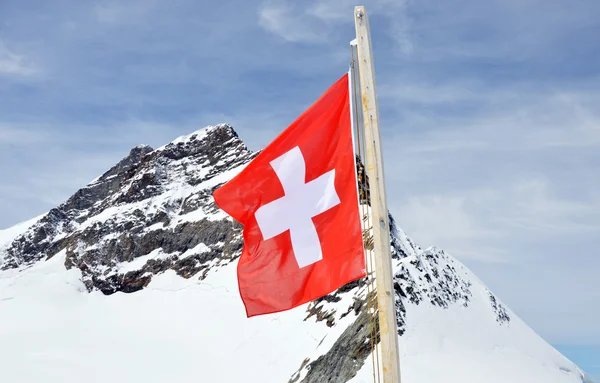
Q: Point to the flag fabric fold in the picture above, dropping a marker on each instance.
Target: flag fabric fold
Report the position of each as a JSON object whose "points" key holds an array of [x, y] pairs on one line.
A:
{"points": [[298, 203]]}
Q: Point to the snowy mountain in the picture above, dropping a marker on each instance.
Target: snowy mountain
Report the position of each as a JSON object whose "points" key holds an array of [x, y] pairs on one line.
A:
{"points": [[132, 279]]}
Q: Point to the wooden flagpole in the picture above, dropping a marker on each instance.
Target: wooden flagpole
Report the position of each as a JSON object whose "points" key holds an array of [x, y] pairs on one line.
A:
{"points": [[390, 358]]}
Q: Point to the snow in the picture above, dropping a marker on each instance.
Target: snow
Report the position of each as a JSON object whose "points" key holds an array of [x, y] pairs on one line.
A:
{"points": [[9, 235], [198, 249], [200, 134], [335, 332], [139, 262], [158, 254], [464, 345], [176, 189], [51, 331]]}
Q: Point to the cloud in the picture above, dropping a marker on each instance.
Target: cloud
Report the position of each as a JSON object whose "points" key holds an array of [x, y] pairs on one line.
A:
{"points": [[475, 224], [508, 149], [119, 13], [470, 107], [10, 135], [534, 207], [320, 22], [12, 64], [281, 19], [444, 221]]}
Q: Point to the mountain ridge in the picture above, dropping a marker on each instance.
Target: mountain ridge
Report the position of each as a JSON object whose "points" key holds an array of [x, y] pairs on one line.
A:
{"points": [[152, 215]]}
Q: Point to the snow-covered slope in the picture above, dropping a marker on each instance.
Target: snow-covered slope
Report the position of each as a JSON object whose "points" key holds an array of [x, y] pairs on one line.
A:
{"points": [[133, 280]]}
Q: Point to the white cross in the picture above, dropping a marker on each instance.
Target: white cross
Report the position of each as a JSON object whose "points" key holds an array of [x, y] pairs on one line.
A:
{"points": [[295, 210]]}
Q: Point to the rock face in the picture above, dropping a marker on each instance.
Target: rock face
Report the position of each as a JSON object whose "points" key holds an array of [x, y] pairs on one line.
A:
{"points": [[153, 212]]}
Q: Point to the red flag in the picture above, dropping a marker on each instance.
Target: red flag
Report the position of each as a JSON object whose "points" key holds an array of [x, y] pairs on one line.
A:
{"points": [[298, 202]]}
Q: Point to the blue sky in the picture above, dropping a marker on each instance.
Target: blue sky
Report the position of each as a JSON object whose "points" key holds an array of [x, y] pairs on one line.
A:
{"points": [[490, 113]]}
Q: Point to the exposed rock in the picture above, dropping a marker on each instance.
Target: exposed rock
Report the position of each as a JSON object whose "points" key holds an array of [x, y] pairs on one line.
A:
{"points": [[501, 314], [141, 207], [348, 353]]}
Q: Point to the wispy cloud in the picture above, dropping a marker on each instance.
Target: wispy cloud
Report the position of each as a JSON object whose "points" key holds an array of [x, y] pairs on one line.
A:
{"points": [[120, 13], [513, 154], [325, 22], [10, 135], [443, 220], [13, 64], [536, 207], [282, 19]]}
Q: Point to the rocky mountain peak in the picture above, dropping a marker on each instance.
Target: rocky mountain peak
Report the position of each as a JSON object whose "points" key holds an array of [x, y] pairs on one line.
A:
{"points": [[153, 208], [209, 141], [134, 157]]}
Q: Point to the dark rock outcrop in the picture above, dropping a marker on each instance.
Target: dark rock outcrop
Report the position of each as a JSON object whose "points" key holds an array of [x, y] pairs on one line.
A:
{"points": [[501, 314], [155, 204], [347, 355]]}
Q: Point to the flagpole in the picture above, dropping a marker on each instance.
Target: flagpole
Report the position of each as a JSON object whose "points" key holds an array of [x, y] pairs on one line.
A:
{"points": [[390, 358]]}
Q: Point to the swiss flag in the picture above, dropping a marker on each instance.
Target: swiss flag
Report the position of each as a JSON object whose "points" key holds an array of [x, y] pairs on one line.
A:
{"points": [[298, 202]]}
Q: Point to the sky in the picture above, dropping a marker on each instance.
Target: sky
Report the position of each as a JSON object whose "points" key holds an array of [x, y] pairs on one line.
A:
{"points": [[489, 113]]}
